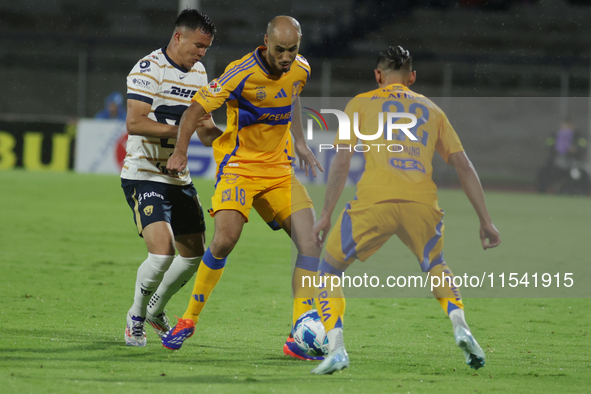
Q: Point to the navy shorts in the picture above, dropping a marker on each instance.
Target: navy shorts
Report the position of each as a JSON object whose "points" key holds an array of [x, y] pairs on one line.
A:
{"points": [[156, 202]]}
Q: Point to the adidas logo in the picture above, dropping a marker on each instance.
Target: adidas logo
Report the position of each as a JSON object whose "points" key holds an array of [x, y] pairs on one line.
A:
{"points": [[199, 297], [281, 94]]}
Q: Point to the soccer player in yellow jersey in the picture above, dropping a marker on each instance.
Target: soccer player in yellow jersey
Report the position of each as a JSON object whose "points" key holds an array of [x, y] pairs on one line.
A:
{"points": [[395, 196], [261, 92]]}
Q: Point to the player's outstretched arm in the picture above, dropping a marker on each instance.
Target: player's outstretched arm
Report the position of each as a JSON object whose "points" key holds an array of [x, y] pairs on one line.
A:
{"points": [[303, 151], [138, 123], [337, 178], [207, 131], [177, 162], [489, 235]]}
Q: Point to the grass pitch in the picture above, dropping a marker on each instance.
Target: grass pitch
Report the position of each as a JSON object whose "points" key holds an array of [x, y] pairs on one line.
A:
{"points": [[69, 255]]}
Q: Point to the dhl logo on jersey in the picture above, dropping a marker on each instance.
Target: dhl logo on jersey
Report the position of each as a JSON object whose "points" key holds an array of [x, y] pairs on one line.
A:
{"points": [[176, 91]]}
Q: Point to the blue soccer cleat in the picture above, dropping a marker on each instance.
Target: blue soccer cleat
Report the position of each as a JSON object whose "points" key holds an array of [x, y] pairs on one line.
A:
{"points": [[474, 354], [174, 338], [291, 348], [335, 361]]}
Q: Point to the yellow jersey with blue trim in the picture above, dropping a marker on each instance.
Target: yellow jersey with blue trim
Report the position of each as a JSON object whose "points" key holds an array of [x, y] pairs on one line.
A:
{"points": [[256, 141], [397, 166]]}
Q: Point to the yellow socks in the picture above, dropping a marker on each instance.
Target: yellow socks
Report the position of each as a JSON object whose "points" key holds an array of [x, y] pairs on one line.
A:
{"points": [[330, 300], [302, 283], [208, 275], [447, 294]]}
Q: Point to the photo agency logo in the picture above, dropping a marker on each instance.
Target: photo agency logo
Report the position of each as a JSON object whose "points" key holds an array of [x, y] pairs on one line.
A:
{"points": [[392, 129]]}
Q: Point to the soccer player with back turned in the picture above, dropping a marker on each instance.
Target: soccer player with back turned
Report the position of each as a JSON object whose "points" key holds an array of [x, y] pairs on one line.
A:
{"points": [[166, 207], [261, 92], [395, 196]]}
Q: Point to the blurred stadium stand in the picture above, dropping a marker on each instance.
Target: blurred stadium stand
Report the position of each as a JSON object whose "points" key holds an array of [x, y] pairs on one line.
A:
{"points": [[62, 57], [59, 59]]}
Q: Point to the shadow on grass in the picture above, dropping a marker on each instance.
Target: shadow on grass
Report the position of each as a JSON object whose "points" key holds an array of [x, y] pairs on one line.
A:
{"points": [[209, 379]]}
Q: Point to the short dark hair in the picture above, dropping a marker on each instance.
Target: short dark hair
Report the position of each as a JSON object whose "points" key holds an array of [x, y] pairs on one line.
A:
{"points": [[193, 19], [395, 59]]}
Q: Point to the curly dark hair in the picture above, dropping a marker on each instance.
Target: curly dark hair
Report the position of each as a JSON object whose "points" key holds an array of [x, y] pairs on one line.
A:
{"points": [[395, 59], [193, 19]]}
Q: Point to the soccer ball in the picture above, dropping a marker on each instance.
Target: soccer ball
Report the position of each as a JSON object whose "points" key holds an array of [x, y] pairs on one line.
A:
{"points": [[309, 334]]}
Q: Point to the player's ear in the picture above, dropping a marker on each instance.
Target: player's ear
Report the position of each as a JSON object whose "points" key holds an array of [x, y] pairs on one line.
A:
{"points": [[378, 75], [412, 78], [267, 41], [177, 36]]}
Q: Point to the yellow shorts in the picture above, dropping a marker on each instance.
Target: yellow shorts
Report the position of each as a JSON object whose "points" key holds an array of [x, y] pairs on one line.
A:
{"points": [[362, 229], [275, 199]]}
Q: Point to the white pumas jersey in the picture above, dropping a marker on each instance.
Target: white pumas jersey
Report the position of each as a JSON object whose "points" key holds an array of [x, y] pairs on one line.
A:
{"points": [[168, 87]]}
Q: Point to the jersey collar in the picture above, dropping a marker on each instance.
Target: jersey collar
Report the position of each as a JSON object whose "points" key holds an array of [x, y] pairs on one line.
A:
{"points": [[396, 85], [258, 58], [173, 63]]}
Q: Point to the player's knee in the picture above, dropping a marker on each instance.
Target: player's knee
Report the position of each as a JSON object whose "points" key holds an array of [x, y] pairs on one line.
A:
{"points": [[161, 248], [222, 245], [306, 245], [159, 238], [192, 244], [310, 249]]}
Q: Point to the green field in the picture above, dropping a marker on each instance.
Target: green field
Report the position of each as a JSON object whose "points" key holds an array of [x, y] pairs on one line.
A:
{"points": [[69, 255]]}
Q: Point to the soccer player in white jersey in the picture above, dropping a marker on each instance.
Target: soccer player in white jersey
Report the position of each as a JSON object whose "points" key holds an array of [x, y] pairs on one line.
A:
{"points": [[166, 207]]}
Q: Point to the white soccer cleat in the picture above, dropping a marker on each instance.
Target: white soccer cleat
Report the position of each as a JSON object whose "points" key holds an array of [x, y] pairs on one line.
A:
{"points": [[473, 353], [159, 323], [335, 361], [134, 331]]}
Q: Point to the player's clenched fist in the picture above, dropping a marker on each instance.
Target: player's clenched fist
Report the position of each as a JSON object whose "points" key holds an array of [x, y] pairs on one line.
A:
{"points": [[489, 235], [177, 162]]}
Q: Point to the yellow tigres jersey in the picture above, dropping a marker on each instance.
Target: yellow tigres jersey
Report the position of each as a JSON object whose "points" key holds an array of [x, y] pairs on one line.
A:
{"points": [[404, 175], [259, 106]]}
